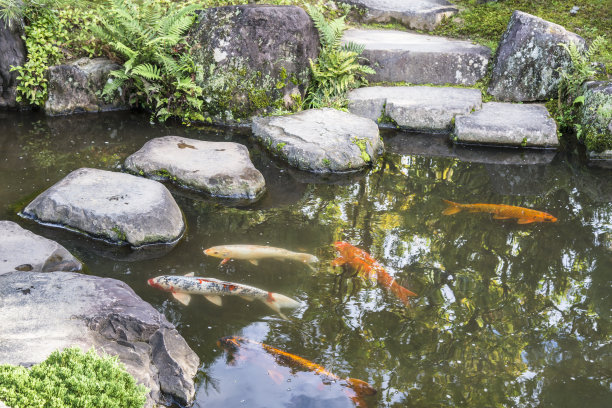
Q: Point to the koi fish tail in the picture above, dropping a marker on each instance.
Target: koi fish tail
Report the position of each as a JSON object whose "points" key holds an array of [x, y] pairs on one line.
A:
{"points": [[402, 293], [276, 301], [453, 208], [362, 388]]}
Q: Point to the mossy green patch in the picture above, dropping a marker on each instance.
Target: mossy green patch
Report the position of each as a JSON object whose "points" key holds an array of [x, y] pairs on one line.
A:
{"points": [[362, 144]]}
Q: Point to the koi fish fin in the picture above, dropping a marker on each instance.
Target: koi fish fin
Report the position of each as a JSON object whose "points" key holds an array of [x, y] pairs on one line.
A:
{"points": [[276, 376], [248, 298], [453, 208], [184, 298], [525, 220], [500, 217], [361, 387], [224, 261], [312, 268], [339, 261], [275, 301], [214, 299], [254, 261], [189, 274]]}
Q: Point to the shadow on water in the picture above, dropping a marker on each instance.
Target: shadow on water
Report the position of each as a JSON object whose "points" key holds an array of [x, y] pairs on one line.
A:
{"points": [[507, 315]]}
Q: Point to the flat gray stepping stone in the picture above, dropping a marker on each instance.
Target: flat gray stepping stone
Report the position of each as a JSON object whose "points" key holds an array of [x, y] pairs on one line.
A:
{"points": [[22, 250], [320, 140], [416, 14], [508, 124], [399, 56], [221, 169], [113, 206], [423, 108]]}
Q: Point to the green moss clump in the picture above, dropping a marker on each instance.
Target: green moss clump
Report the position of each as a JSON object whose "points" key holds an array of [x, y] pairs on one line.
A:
{"points": [[361, 143], [71, 378]]}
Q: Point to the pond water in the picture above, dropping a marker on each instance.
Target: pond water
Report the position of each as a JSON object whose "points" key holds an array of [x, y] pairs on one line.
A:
{"points": [[507, 314]]}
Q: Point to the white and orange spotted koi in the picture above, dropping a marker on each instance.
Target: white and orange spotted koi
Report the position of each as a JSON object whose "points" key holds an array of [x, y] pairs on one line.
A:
{"points": [[182, 287]]}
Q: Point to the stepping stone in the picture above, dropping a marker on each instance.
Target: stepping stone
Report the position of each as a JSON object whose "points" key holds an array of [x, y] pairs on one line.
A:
{"points": [[22, 250], [117, 207], [221, 169], [320, 140], [508, 124], [399, 56], [423, 108], [415, 14]]}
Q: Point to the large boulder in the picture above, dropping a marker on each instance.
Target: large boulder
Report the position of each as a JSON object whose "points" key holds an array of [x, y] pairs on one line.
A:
{"points": [[117, 207], [529, 58], [22, 250], [221, 169], [88, 311], [415, 14], [596, 117], [255, 58], [77, 87], [12, 53], [320, 140]]}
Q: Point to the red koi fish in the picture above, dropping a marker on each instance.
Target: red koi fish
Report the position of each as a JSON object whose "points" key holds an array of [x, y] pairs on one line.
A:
{"points": [[359, 387], [501, 212], [369, 268]]}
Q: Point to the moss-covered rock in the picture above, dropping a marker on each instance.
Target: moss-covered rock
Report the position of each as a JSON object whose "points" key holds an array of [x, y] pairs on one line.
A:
{"points": [[253, 59], [596, 116]]}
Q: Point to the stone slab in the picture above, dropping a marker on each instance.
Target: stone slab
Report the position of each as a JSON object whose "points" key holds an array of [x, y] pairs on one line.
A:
{"points": [[415, 14], [13, 52], [22, 250], [508, 124], [320, 140], [88, 311], [221, 169], [423, 108], [399, 56], [113, 206]]}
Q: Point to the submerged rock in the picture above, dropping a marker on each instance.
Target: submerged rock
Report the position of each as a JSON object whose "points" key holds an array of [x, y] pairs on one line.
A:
{"points": [[528, 59], [88, 311], [416, 14], [320, 140], [508, 124], [113, 206], [77, 86], [22, 250], [13, 53], [423, 108], [255, 58], [400, 56], [222, 169]]}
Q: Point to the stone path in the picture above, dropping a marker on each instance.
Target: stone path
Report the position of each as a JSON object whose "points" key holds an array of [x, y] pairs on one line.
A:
{"points": [[399, 56]]}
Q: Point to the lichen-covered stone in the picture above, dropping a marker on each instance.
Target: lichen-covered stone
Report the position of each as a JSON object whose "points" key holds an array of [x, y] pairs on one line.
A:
{"points": [[400, 56], [221, 169], [255, 58], [22, 250], [12, 53], [117, 207], [43, 312], [596, 117], [415, 14], [320, 140], [528, 59], [77, 87]]}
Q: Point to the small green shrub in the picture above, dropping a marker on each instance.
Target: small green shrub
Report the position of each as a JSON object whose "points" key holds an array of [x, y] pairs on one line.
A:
{"points": [[71, 378]]}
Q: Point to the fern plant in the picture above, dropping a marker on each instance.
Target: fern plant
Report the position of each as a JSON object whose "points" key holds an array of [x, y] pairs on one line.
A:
{"points": [[337, 70], [157, 68]]}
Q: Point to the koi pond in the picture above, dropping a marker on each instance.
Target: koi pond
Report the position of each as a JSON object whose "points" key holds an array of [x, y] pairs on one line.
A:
{"points": [[507, 314]]}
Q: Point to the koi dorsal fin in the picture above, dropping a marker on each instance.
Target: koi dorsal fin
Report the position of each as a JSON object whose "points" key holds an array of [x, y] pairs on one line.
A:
{"points": [[190, 274]]}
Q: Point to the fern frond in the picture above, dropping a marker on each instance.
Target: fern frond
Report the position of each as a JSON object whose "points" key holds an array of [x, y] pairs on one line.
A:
{"points": [[148, 71]]}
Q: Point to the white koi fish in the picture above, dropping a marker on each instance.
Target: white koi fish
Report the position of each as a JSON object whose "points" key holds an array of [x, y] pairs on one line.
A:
{"points": [[253, 253], [182, 287]]}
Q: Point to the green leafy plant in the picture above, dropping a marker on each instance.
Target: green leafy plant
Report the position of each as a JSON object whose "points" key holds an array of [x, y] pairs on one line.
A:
{"points": [[158, 70], [337, 70], [71, 378]]}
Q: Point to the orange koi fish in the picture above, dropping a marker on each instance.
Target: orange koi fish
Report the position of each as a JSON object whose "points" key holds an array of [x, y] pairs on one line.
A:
{"points": [[501, 212], [370, 269], [360, 387]]}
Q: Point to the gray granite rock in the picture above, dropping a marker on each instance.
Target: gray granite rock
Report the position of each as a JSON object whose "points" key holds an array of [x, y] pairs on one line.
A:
{"points": [[528, 59], [113, 206], [423, 108], [77, 87], [255, 57], [596, 117], [416, 14], [320, 140], [508, 124], [13, 52], [399, 56], [88, 311], [222, 169], [22, 250]]}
